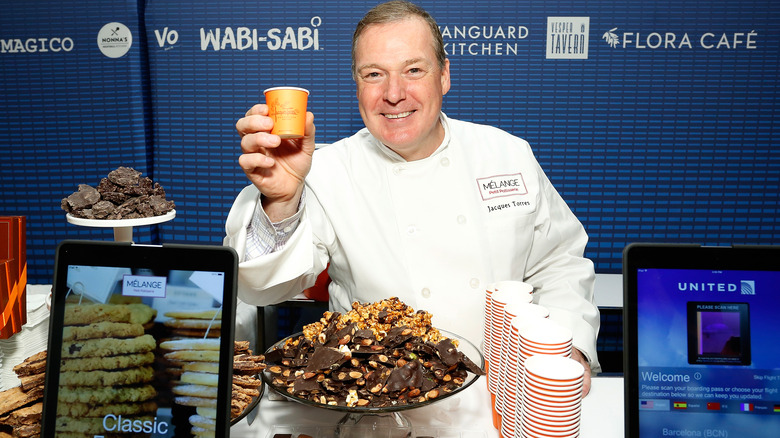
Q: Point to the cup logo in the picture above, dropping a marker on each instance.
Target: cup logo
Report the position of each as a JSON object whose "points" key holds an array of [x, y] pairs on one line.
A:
{"points": [[283, 110]]}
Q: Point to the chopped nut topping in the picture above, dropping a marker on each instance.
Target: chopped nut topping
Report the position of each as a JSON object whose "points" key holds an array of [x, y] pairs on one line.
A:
{"points": [[379, 317]]}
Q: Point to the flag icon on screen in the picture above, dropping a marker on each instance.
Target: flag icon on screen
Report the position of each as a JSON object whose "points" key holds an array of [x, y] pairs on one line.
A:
{"points": [[680, 405], [711, 406], [777, 408], [746, 407], [646, 404]]}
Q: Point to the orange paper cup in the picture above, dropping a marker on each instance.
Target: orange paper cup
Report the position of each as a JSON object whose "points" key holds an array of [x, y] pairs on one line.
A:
{"points": [[496, 415], [287, 107]]}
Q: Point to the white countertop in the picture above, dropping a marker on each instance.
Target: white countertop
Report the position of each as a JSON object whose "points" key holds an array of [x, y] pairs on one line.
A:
{"points": [[602, 409], [602, 413]]}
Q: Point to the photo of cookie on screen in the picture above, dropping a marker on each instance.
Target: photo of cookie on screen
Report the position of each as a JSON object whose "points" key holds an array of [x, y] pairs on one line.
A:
{"points": [[125, 321], [718, 333], [121, 357]]}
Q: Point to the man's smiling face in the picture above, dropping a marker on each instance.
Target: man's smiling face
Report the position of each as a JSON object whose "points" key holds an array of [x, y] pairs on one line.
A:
{"points": [[400, 86]]}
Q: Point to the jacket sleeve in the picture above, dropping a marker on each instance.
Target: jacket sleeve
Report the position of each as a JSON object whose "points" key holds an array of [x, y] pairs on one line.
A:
{"points": [[562, 277], [274, 277]]}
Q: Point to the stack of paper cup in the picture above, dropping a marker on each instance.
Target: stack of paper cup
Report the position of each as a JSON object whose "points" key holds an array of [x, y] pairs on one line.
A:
{"points": [[507, 400], [552, 397], [505, 374], [504, 294], [488, 332], [515, 287], [545, 337]]}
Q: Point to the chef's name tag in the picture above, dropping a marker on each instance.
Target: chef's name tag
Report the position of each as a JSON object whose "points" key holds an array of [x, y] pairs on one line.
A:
{"points": [[505, 192]]}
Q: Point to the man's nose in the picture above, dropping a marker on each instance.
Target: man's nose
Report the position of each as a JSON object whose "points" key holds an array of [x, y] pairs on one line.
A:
{"points": [[396, 88]]}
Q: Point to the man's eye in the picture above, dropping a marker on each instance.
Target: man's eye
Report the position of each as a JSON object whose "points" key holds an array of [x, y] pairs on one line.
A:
{"points": [[372, 76], [415, 72]]}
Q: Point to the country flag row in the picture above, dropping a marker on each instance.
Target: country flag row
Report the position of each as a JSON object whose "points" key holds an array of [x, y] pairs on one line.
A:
{"points": [[667, 405]]}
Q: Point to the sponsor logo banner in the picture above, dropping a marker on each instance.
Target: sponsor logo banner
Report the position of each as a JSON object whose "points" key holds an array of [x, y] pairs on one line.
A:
{"points": [[567, 37]]}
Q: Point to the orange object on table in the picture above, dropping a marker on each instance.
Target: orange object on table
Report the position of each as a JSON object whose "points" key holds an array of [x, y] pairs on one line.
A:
{"points": [[319, 292], [13, 275]]}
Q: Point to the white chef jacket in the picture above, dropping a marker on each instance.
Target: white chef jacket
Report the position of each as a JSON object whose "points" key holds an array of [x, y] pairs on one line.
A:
{"points": [[433, 232]]}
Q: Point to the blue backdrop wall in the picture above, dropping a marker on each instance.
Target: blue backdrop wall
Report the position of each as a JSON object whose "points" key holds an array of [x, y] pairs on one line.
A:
{"points": [[655, 120]]}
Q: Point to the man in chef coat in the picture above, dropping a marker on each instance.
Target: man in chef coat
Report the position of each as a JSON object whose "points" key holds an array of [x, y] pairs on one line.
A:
{"points": [[416, 205]]}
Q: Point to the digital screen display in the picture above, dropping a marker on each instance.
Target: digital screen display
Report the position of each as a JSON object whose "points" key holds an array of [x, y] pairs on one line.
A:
{"points": [[708, 362], [140, 352]]}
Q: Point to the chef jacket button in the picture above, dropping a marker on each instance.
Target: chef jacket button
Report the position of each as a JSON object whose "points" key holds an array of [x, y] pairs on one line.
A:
{"points": [[398, 169], [474, 283], [445, 161], [411, 229], [461, 219], [425, 292]]}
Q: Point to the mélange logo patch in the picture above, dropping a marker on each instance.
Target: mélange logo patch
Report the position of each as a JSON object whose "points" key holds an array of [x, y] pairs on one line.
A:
{"points": [[502, 185], [144, 286]]}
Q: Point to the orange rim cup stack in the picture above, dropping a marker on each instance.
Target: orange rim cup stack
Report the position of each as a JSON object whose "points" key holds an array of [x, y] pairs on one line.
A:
{"points": [[504, 293], [552, 397], [487, 328], [508, 403]]}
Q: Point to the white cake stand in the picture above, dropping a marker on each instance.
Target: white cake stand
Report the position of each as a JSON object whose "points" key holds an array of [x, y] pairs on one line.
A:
{"points": [[123, 228]]}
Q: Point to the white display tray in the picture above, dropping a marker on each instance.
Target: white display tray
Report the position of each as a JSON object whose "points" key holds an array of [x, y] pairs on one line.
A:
{"points": [[123, 228]]}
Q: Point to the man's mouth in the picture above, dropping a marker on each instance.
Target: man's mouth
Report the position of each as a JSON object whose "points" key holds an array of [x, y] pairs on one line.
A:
{"points": [[399, 115]]}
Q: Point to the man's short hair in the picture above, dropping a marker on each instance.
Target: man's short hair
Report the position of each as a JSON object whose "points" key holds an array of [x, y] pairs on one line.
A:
{"points": [[397, 10]]}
